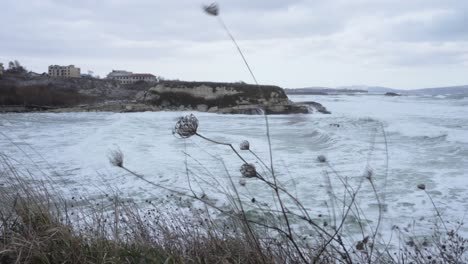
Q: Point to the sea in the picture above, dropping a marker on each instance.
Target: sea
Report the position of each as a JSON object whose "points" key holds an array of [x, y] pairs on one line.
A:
{"points": [[379, 147]]}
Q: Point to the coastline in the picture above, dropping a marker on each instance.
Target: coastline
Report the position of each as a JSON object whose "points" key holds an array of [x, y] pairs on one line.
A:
{"points": [[126, 107]]}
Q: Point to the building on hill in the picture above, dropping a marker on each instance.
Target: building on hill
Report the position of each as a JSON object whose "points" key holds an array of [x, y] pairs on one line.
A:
{"points": [[34, 74], [69, 71], [126, 77]]}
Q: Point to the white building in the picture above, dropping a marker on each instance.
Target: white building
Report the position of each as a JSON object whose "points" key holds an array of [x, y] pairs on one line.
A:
{"points": [[64, 71], [126, 77]]}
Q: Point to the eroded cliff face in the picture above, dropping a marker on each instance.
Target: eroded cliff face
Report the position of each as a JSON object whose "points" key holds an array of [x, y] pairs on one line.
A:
{"points": [[226, 98], [78, 94]]}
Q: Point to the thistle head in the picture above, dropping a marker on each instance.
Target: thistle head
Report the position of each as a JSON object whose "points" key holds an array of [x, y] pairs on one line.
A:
{"points": [[186, 126], [422, 186], [242, 182], [244, 145], [212, 9], [248, 170], [116, 158], [321, 158]]}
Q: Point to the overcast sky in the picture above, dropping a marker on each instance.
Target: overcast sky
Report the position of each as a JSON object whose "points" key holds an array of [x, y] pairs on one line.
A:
{"points": [[395, 43]]}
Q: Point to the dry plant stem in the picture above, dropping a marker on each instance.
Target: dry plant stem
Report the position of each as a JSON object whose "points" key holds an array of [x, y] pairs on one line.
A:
{"points": [[260, 160], [386, 162], [244, 217], [331, 195], [437, 211], [237, 46], [351, 192], [384, 191], [379, 219], [155, 184], [182, 194], [225, 144], [273, 185], [337, 230], [186, 169], [276, 189], [268, 136]]}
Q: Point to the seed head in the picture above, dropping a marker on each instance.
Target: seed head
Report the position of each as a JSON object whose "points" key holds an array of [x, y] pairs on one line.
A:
{"points": [[369, 173], [186, 126], [322, 158], [248, 170], [242, 182], [244, 145], [212, 9], [422, 186], [116, 158]]}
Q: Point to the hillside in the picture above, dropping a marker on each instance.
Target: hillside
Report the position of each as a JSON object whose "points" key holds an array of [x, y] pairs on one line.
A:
{"points": [[363, 89], [25, 93]]}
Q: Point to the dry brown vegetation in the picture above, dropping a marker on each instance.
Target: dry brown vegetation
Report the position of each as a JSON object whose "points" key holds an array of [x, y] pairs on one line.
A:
{"points": [[41, 96], [38, 225]]}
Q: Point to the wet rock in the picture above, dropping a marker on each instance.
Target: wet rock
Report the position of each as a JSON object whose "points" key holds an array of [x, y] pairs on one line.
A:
{"points": [[202, 108], [314, 106], [213, 109]]}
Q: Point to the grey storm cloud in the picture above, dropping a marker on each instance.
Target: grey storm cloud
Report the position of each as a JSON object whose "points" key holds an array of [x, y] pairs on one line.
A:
{"points": [[294, 38]]}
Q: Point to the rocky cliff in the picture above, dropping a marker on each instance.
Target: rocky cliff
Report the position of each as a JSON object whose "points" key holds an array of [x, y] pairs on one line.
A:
{"points": [[230, 98], [83, 94]]}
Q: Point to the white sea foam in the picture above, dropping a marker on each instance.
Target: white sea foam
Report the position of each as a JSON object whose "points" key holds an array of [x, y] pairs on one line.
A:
{"points": [[427, 141]]}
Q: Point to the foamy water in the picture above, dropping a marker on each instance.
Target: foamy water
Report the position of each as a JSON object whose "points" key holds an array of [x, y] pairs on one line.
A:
{"points": [[419, 139]]}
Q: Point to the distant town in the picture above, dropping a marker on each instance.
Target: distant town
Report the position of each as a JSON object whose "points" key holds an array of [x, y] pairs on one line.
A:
{"points": [[126, 78], [71, 71]]}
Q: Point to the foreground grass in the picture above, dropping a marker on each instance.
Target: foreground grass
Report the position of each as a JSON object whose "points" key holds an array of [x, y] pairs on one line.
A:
{"points": [[38, 226], [33, 231]]}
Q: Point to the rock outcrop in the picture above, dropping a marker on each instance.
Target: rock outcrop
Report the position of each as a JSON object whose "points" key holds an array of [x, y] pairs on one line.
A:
{"points": [[84, 94], [315, 107], [392, 94], [226, 98]]}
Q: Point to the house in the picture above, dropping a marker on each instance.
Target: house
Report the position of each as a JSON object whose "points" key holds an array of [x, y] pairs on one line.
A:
{"points": [[86, 76], [126, 77], [64, 71], [34, 74]]}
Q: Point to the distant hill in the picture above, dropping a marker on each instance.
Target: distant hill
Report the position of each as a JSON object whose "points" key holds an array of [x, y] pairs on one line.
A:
{"points": [[373, 89], [449, 90], [463, 89], [323, 91]]}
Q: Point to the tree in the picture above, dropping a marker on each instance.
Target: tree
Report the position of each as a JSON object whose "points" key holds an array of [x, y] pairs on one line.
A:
{"points": [[15, 67]]}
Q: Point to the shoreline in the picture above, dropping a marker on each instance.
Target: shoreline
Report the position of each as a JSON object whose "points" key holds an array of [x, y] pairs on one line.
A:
{"points": [[125, 107]]}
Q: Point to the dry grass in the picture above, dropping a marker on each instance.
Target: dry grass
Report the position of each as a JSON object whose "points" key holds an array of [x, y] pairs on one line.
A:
{"points": [[37, 225], [40, 95]]}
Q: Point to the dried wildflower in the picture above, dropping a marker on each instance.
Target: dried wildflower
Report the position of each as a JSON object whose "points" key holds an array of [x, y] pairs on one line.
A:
{"points": [[422, 186], [322, 158], [244, 145], [212, 9], [248, 170], [116, 158], [369, 173], [186, 126], [242, 182]]}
